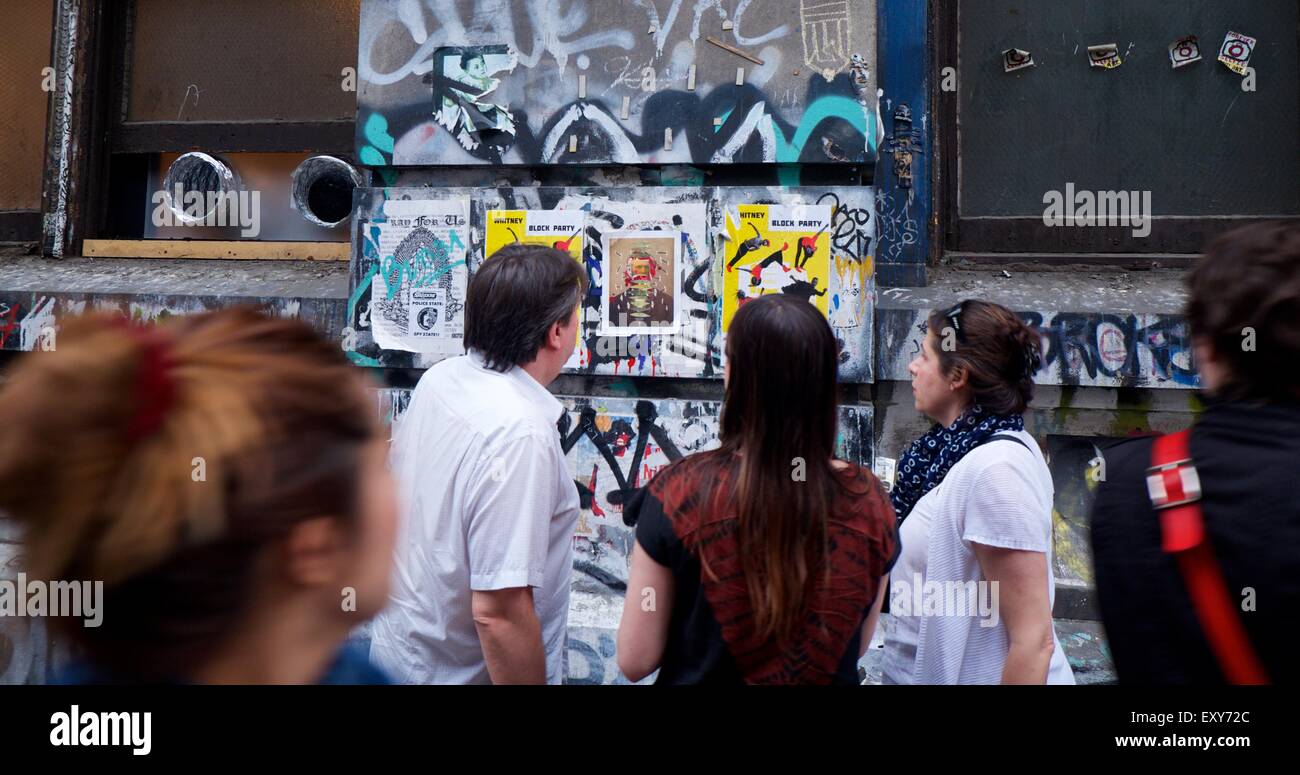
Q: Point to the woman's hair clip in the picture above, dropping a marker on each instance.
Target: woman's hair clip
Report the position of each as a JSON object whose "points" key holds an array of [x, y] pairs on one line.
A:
{"points": [[953, 316], [154, 387]]}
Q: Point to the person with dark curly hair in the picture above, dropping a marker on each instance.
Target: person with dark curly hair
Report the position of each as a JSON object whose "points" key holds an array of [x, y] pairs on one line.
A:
{"points": [[971, 596], [1197, 557]]}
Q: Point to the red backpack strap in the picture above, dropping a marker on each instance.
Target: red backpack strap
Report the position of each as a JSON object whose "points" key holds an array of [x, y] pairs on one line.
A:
{"points": [[1175, 490]]}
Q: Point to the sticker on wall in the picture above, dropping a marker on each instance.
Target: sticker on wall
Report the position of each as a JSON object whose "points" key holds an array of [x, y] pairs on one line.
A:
{"points": [[1236, 52], [776, 249], [640, 290], [419, 302], [462, 80], [1104, 56], [853, 280], [1184, 51], [1014, 59], [885, 468]]}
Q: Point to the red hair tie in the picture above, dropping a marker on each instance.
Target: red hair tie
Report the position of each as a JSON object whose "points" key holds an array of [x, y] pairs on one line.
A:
{"points": [[155, 390]]}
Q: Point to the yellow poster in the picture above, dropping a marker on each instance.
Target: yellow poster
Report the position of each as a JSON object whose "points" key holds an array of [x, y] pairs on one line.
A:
{"points": [[776, 249], [561, 229]]}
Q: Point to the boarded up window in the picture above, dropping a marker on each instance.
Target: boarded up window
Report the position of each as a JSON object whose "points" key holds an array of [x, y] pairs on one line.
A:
{"points": [[242, 60], [24, 52]]}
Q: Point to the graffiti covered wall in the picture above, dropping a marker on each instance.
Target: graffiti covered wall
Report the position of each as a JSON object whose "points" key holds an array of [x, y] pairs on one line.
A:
{"points": [[693, 345], [1091, 349], [1078, 469], [542, 82]]}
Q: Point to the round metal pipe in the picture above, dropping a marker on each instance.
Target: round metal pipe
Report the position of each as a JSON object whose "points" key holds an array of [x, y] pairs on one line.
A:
{"points": [[203, 173], [322, 190]]}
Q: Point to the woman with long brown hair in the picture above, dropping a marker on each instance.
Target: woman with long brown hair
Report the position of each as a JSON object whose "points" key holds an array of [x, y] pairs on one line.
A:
{"points": [[761, 561], [222, 477]]}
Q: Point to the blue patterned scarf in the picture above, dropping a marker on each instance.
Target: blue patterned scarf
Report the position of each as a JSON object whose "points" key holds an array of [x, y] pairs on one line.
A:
{"points": [[926, 462]]}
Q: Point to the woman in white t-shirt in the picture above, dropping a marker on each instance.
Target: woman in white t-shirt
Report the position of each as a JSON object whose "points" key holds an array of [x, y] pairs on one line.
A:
{"points": [[971, 594]]}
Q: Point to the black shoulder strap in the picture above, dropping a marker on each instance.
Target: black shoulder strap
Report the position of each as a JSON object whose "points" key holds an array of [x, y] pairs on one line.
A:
{"points": [[1008, 437]]}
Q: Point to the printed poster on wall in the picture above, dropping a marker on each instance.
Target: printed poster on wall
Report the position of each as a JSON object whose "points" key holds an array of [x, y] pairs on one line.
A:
{"points": [[776, 249], [419, 301], [641, 282], [559, 229]]}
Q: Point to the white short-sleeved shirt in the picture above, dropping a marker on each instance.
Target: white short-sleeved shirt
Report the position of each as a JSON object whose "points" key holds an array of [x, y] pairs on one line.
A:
{"points": [[487, 503], [999, 494]]}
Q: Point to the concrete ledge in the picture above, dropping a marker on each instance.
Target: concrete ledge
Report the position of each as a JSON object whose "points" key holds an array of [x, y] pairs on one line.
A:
{"points": [[1099, 329], [35, 292], [191, 277]]}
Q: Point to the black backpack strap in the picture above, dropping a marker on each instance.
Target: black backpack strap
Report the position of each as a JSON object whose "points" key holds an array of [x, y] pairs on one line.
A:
{"points": [[1008, 437]]}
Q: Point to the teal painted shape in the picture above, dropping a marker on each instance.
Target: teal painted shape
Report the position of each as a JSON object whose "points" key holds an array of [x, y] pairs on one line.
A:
{"points": [[362, 287], [363, 360], [834, 106], [718, 127], [376, 133]]}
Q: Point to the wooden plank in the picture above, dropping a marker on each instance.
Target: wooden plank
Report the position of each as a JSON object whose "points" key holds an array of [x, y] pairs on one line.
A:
{"points": [[245, 251], [734, 50]]}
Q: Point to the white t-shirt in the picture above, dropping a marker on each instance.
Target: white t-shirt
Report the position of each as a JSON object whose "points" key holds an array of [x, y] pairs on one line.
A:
{"points": [[942, 627], [487, 503]]}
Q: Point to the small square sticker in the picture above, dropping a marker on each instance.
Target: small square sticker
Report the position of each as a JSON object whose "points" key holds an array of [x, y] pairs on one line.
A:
{"points": [[1236, 51], [1014, 59], [1184, 51], [1105, 56]]}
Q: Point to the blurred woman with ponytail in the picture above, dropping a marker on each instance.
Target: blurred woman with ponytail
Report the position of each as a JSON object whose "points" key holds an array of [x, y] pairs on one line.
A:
{"points": [[223, 476], [762, 561], [971, 596]]}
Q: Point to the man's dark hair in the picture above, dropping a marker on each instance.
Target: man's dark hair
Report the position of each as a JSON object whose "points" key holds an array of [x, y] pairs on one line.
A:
{"points": [[515, 297], [1246, 288]]}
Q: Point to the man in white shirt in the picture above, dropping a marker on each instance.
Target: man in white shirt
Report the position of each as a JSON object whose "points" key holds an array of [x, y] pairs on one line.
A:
{"points": [[481, 582]]}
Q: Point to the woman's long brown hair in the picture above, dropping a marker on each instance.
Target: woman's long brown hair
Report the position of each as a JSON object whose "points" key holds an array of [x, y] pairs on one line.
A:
{"points": [[778, 431]]}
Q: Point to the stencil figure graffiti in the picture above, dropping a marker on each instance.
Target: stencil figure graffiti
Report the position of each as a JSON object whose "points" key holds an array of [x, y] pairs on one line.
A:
{"points": [[461, 81]]}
